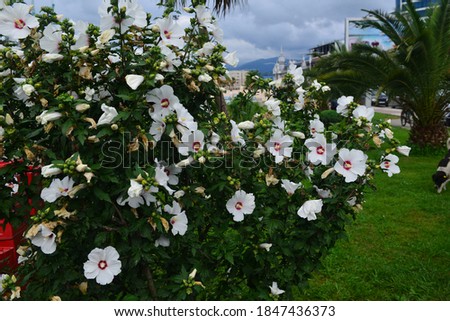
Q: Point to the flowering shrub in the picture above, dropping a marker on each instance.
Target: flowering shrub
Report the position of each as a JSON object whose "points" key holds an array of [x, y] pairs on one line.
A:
{"points": [[147, 189]]}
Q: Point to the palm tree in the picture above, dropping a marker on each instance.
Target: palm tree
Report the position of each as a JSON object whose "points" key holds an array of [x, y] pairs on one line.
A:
{"points": [[416, 70], [220, 6]]}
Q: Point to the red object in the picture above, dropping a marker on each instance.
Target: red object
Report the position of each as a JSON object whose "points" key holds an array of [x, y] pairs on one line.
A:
{"points": [[10, 238], [8, 257]]}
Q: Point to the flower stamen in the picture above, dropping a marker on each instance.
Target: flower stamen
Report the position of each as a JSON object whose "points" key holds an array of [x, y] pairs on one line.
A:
{"points": [[347, 165], [168, 34], [102, 264], [196, 146], [19, 24], [165, 103]]}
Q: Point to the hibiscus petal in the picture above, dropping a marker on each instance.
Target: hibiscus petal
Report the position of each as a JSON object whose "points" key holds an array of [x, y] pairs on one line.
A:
{"points": [[111, 254], [49, 245], [96, 255], [104, 277]]}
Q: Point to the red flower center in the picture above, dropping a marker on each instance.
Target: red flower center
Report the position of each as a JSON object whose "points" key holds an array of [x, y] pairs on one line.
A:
{"points": [[347, 165], [239, 206], [63, 190], [196, 146], [320, 150], [167, 33], [165, 103], [277, 147], [102, 265], [313, 130], [387, 164], [19, 24]]}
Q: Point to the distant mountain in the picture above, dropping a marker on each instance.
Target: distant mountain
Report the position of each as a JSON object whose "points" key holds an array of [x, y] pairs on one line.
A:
{"points": [[264, 66]]}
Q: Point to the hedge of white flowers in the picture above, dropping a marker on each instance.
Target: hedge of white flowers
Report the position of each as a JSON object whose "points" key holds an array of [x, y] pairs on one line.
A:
{"points": [[143, 186]]}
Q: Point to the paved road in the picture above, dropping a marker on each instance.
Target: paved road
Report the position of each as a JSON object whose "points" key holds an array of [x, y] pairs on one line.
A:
{"points": [[392, 111]]}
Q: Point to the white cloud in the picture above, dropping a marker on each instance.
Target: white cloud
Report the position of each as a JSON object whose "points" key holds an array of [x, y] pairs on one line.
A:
{"points": [[260, 28]]}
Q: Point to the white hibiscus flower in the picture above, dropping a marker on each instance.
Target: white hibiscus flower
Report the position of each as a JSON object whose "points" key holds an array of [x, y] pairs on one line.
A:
{"points": [[231, 59], [16, 22], [278, 146], [163, 100], [316, 126], [162, 241], [343, 102], [236, 134], [102, 265], [171, 32], [241, 203], [179, 219], [389, 165], [275, 290], [135, 15], [45, 239], [57, 189], [273, 106], [191, 142], [290, 187], [363, 112], [138, 196], [109, 113], [351, 164], [319, 151], [309, 209]]}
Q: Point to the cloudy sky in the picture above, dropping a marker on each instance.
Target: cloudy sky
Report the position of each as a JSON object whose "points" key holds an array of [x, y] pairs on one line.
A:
{"points": [[260, 28]]}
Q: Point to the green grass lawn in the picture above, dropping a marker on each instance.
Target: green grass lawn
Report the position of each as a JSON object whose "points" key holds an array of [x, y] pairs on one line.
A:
{"points": [[399, 246]]}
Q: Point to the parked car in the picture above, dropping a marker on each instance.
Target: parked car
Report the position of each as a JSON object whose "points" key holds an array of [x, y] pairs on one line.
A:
{"points": [[380, 101], [383, 100]]}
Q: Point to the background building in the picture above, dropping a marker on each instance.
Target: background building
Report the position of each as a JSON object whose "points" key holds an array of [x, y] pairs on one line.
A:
{"points": [[238, 77], [280, 68], [421, 5]]}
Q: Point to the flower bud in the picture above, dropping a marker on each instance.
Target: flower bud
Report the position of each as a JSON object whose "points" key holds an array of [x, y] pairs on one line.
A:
{"points": [[404, 150], [389, 134], [265, 246], [327, 172], [246, 125], [28, 89], [83, 287], [93, 139], [88, 176], [200, 190], [82, 107], [155, 29], [192, 274], [298, 135], [178, 194], [50, 170], [9, 120]]}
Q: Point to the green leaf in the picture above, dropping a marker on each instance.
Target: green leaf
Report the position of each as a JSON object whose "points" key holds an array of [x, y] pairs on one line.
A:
{"points": [[34, 133], [101, 195]]}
